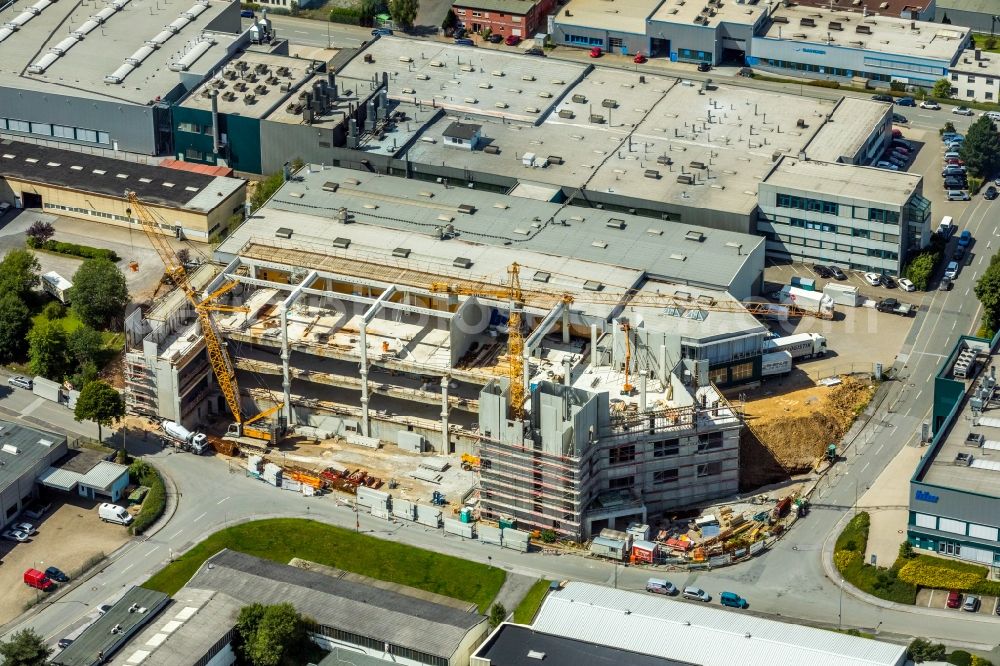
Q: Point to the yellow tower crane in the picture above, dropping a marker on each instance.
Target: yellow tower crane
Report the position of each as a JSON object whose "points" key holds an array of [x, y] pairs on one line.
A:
{"points": [[218, 357]]}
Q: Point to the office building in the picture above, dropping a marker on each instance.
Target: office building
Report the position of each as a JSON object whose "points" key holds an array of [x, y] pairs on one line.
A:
{"points": [[975, 76], [517, 18]]}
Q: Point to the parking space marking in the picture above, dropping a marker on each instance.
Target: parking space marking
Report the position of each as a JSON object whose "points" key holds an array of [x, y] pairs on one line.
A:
{"points": [[917, 396], [865, 467], [879, 449]]}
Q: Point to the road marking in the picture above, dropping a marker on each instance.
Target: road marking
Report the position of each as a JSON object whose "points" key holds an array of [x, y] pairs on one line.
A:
{"points": [[152, 551], [200, 517], [983, 256], [865, 467], [127, 568], [879, 449], [953, 325], [222, 500], [916, 397], [176, 534], [300, 32], [966, 292]]}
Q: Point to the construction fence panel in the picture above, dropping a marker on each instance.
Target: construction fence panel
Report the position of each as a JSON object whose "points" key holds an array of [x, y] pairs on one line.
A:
{"points": [[452, 526], [368, 497], [410, 441], [720, 561], [404, 509], [756, 547], [428, 515], [490, 534], [380, 512], [291, 484]]}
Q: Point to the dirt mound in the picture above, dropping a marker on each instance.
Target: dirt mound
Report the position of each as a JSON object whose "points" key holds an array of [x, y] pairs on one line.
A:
{"points": [[796, 428]]}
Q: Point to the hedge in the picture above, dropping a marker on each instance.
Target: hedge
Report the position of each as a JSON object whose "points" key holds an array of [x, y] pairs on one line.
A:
{"points": [[987, 587], [348, 15], [928, 571], [849, 558], [74, 250], [155, 502]]}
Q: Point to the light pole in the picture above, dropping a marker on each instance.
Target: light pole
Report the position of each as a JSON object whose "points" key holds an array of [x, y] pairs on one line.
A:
{"points": [[840, 610]]}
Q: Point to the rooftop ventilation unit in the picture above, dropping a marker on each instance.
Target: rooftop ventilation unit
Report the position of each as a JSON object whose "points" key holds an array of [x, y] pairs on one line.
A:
{"points": [[341, 243], [401, 252], [615, 223], [610, 104], [541, 276], [593, 285], [835, 25], [694, 235], [492, 149], [651, 173], [697, 165], [579, 99], [462, 262], [599, 243], [779, 19], [466, 209], [863, 29], [11, 449], [685, 179], [330, 186], [807, 22], [283, 232]]}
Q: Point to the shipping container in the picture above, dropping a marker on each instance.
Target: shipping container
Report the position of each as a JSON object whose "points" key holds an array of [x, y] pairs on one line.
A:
{"points": [[843, 294], [801, 345], [610, 548], [809, 284], [428, 515], [46, 388], [644, 551], [807, 301]]}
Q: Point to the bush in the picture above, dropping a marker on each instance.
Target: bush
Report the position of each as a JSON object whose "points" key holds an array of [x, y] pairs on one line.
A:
{"points": [[906, 551], [548, 536], [856, 532], [75, 250], [844, 559], [929, 571], [825, 84], [975, 182], [960, 658], [54, 310], [989, 587], [921, 268], [922, 649], [348, 15], [881, 582], [156, 499]]}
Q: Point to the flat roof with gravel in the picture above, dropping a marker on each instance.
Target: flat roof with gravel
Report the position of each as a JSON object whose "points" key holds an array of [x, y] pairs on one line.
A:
{"points": [[612, 15], [892, 188], [844, 136], [709, 14]]}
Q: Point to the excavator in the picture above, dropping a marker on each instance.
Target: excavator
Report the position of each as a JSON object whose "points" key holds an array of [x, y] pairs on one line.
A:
{"points": [[242, 429]]}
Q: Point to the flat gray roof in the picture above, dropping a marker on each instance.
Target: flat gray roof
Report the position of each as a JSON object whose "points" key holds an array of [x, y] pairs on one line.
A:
{"points": [[193, 622], [515, 645], [98, 638], [850, 126], [27, 447], [103, 45], [378, 614], [885, 34], [520, 7], [708, 15], [612, 15], [844, 180], [987, 64], [509, 224]]}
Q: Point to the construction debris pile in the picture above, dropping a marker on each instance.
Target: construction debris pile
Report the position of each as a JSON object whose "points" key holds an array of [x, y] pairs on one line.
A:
{"points": [[309, 481]]}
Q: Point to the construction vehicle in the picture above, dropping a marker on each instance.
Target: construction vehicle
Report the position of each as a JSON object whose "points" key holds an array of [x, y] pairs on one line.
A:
{"points": [[470, 462], [184, 439], [218, 357]]}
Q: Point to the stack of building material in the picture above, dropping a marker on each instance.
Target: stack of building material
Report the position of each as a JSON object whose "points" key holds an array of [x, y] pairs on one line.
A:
{"points": [[373, 499], [437, 463], [516, 539], [490, 534], [428, 515], [452, 526], [404, 509], [253, 465], [272, 474]]}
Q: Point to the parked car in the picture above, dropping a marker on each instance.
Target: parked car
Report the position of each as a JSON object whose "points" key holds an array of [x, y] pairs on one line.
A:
{"points": [[958, 254], [874, 279], [382, 31], [495, 38], [103, 608], [15, 535], [954, 183], [512, 40], [930, 104], [247, 13], [745, 72], [965, 239], [114, 514], [897, 133], [704, 66], [882, 98], [963, 111], [38, 580], [906, 285], [990, 193], [27, 528], [954, 599], [954, 161], [732, 600], [951, 270], [952, 136], [535, 51], [639, 59], [953, 170], [56, 575], [65, 643], [906, 101], [903, 150], [904, 143], [822, 271], [696, 594], [958, 195], [596, 52], [971, 604], [882, 164], [661, 586], [36, 511], [837, 273], [888, 282], [899, 118], [4, 207], [464, 41], [952, 155], [20, 381], [944, 284]]}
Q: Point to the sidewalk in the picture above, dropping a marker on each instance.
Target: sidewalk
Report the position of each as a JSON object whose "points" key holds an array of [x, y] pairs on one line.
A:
{"points": [[886, 503]]}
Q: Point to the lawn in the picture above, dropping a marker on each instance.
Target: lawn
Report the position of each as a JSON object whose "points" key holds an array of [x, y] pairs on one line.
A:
{"points": [[526, 610], [282, 539], [114, 342], [882, 582]]}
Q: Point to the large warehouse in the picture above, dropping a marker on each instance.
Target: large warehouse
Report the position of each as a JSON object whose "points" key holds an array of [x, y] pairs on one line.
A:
{"points": [[25, 456], [955, 491], [91, 187], [105, 79]]}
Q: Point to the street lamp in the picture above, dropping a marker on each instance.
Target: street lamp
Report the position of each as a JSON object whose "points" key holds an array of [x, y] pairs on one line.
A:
{"points": [[840, 611]]}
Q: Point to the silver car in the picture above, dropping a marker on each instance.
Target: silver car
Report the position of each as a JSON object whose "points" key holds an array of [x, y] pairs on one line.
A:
{"points": [[15, 535], [20, 381], [696, 594]]}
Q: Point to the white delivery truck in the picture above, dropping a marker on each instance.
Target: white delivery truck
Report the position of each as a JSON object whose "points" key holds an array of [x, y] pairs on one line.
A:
{"points": [[776, 363], [843, 294], [801, 345], [112, 513], [184, 439], [808, 301]]}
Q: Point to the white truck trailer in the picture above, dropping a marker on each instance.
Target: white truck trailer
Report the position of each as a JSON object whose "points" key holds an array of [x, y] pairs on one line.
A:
{"points": [[802, 345], [776, 363], [184, 439], [807, 301], [843, 294]]}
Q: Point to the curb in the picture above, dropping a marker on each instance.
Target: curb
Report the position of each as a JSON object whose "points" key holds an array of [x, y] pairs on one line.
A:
{"points": [[168, 511]]}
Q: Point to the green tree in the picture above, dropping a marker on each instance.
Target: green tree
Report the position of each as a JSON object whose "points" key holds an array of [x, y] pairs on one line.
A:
{"points": [[404, 12], [99, 294], [25, 648], [273, 635], [246, 628], [83, 345], [981, 148], [920, 270], [987, 290], [86, 373], [16, 320], [100, 403], [941, 89], [921, 650], [497, 615], [39, 232], [265, 189], [47, 349], [450, 20], [19, 273]]}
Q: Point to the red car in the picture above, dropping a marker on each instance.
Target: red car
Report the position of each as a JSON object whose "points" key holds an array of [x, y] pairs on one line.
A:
{"points": [[512, 40], [954, 599], [639, 59], [596, 52], [897, 134], [955, 160]]}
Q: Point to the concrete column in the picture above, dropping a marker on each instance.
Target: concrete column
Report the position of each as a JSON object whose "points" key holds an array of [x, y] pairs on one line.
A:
{"points": [[444, 415], [593, 345], [643, 378], [567, 371], [286, 374], [527, 371], [363, 353], [565, 326]]}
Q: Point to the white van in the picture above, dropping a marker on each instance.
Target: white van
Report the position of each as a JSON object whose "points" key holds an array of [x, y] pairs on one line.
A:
{"points": [[947, 226], [993, 115], [112, 513]]}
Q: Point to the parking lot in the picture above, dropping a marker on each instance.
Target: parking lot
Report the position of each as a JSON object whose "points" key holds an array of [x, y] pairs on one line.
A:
{"points": [[939, 599], [69, 537]]}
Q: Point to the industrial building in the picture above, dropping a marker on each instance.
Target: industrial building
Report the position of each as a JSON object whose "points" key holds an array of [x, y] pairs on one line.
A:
{"points": [[24, 457], [105, 79], [911, 10], [865, 218], [90, 187], [975, 76], [955, 490], [632, 627], [390, 625], [980, 15]]}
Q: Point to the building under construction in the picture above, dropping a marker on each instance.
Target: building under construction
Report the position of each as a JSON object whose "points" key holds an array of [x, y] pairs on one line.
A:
{"points": [[385, 310]]}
